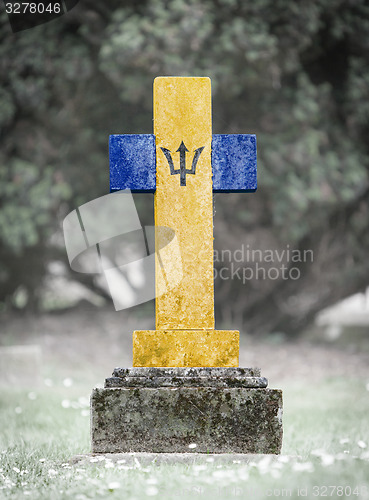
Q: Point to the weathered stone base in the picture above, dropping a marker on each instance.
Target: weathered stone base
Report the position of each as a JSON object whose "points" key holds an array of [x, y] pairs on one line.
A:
{"points": [[216, 416]]}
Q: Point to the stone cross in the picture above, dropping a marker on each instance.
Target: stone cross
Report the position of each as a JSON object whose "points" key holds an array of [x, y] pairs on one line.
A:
{"points": [[184, 164]]}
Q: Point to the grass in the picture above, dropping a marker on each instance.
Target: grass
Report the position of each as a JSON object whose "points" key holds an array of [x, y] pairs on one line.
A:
{"points": [[325, 451]]}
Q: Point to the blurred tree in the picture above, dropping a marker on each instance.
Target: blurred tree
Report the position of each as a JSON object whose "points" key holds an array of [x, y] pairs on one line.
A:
{"points": [[296, 74]]}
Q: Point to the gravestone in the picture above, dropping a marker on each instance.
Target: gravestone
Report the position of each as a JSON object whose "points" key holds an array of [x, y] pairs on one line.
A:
{"points": [[185, 391]]}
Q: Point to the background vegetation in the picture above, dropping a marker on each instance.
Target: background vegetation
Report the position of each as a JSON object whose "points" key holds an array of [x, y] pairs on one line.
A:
{"points": [[294, 73]]}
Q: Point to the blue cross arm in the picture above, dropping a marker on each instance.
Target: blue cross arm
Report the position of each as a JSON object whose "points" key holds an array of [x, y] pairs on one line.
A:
{"points": [[233, 159], [132, 161]]}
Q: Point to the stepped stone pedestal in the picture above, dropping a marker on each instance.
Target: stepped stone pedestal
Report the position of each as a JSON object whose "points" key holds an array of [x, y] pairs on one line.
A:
{"points": [[165, 410], [166, 403]]}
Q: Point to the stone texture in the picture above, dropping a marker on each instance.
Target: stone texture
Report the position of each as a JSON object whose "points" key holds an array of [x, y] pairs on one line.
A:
{"points": [[252, 382], [132, 160], [188, 377], [203, 371], [217, 420], [137, 459], [178, 348], [233, 159], [185, 334], [222, 412], [182, 112]]}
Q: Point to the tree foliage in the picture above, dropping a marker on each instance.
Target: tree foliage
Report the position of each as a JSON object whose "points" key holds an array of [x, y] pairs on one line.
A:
{"points": [[294, 73]]}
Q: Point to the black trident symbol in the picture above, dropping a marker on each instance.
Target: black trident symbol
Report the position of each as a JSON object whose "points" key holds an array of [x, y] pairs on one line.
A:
{"points": [[182, 162]]}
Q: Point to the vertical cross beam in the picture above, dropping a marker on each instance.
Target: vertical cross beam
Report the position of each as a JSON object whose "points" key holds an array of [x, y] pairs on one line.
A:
{"points": [[182, 114]]}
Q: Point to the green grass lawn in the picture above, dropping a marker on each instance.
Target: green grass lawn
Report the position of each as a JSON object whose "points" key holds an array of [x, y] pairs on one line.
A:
{"points": [[325, 451]]}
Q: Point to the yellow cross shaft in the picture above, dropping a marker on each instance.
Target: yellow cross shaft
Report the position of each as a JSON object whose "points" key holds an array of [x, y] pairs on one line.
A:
{"points": [[185, 334], [182, 112]]}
